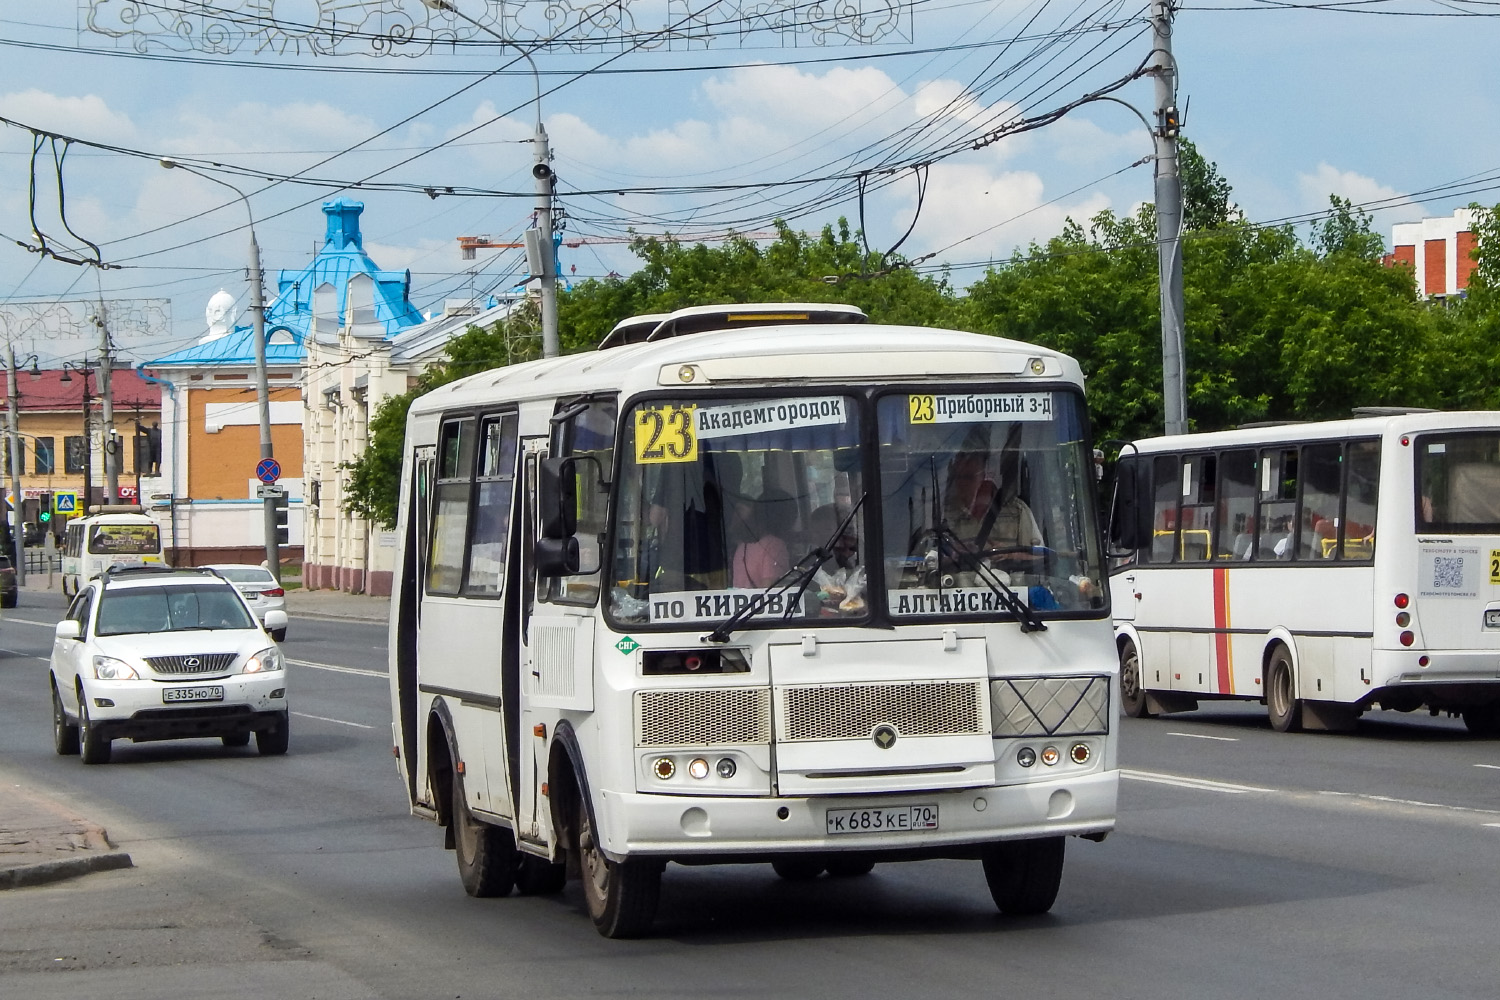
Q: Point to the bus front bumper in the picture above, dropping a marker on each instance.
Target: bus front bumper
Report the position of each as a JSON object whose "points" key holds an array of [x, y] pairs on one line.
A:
{"points": [[697, 827]]}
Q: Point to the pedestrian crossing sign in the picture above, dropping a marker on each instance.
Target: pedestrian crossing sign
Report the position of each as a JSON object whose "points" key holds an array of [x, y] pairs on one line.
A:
{"points": [[65, 503]]}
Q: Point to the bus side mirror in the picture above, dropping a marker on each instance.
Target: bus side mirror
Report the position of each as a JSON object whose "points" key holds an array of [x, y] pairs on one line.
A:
{"points": [[1130, 514], [557, 499], [557, 556]]}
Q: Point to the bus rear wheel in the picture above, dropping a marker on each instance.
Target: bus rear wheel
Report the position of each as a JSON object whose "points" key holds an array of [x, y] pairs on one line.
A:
{"points": [[1282, 703], [621, 895], [1132, 692], [1024, 875], [1483, 720], [486, 853]]}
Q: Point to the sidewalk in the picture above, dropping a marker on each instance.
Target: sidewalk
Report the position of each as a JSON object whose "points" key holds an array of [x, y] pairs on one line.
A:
{"points": [[42, 841], [337, 606]]}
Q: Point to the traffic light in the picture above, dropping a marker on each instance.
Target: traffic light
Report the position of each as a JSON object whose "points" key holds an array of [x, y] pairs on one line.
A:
{"points": [[282, 514], [45, 516]]}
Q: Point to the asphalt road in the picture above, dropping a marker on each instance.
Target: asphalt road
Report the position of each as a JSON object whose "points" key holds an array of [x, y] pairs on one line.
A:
{"points": [[1247, 863]]}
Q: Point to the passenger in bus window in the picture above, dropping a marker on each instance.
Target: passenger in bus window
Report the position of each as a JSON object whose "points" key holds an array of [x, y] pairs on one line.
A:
{"points": [[763, 558], [985, 514], [841, 581]]}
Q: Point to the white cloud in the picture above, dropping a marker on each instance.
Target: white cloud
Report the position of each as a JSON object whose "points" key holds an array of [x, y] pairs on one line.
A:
{"points": [[1316, 187], [980, 212], [87, 117]]}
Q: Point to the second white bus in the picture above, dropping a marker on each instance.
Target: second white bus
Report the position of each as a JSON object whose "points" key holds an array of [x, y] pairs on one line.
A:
{"points": [[111, 535], [1325, 569]]}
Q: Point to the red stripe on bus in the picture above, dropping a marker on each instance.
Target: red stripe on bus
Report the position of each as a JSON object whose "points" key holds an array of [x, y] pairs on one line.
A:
{"points": [[1221, 630]]}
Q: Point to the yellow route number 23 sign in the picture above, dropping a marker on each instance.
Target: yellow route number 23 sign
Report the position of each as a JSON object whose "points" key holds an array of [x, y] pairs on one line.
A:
{"points": [[665, 434]]}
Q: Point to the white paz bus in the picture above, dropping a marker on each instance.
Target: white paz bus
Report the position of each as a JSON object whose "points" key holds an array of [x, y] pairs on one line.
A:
{"points": [[111, 535], [1323, 568], [755, 584]]}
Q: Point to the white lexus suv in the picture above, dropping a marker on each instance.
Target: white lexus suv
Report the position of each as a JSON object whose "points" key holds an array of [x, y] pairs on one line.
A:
{"points": [[149, 653]]}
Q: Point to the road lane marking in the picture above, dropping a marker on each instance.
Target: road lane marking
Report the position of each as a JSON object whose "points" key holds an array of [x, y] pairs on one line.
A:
{"points": [[358, 671], [1200, 736], [1492, 767], [324, 718], [28, 621], [1201, 784], [27, 656]]}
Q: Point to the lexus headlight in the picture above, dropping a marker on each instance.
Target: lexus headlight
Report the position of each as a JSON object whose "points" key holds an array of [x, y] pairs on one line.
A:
{"points": [[263, 662], [107, 668]]}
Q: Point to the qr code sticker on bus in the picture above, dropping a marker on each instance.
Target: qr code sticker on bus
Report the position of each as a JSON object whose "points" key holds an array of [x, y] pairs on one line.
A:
{"points": [[1447, 572]]}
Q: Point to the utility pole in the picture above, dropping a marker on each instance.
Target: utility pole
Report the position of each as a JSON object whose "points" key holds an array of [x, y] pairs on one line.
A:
{"points": [[263, 396], [106, 366], [1169, 218], [545, 182], [13, 408]]}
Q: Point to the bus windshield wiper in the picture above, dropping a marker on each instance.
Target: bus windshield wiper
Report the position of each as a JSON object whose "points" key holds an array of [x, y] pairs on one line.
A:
{"points": [[799, 576], [967, 557]]}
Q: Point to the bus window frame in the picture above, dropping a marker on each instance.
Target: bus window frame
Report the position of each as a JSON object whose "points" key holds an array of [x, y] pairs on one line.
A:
{"points": [[566, 412], [482, 420], [463, 476]]}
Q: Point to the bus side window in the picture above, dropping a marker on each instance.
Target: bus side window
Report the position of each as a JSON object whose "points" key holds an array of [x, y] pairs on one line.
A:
{"points": [[1361, 488], [1199, 480], [1167, 479], [588, 434], [1278, 504], [1321, 468], [497, 470], [1236, 528], [450, 518]]}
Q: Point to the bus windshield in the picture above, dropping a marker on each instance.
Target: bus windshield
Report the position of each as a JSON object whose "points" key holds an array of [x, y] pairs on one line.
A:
{"points": [[124, 539], [720, 504], [986, 499], [1458, 483], [980, 489]]}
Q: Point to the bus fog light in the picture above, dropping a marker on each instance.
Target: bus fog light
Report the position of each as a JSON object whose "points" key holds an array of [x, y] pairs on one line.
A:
{"points": [[1050, 756], [664, 768], [1080, 753], [1026, 756], [1407, 638], [698, 768], [726, 767]]}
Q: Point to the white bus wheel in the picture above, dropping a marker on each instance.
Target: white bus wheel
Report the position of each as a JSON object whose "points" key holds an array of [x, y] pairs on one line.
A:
{"points": [[539, 877], [486, 853], [1024, 875], [798, 867], [621, 896], [1132, 690], [1282, 703], [1483, 720]]}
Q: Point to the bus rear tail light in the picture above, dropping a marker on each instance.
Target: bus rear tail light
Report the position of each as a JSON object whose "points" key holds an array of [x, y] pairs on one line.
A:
{"points": [[1407, 638], [1403, 619], [1402, 601]]}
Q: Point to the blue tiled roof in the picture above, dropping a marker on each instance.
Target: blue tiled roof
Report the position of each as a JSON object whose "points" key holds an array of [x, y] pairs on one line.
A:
{"points": [[341, 258]]}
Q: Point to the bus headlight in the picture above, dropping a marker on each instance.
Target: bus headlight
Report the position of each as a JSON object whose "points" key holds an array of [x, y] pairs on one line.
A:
{"points": [[664, 768], [698, 768]]}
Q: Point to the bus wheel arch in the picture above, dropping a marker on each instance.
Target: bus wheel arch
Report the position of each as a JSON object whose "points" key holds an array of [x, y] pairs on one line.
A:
{"points": [[441, 755], [1279, 681]]}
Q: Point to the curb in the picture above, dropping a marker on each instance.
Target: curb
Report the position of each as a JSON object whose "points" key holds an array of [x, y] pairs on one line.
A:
{"points": [[57, 871], [324, 616]]}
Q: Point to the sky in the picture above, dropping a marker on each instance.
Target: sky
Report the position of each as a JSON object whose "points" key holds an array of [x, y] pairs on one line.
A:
{"points": [[685, 117]]}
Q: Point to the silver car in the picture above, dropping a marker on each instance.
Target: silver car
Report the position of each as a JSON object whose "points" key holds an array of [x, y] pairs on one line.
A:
{"points": [[259, 588]]}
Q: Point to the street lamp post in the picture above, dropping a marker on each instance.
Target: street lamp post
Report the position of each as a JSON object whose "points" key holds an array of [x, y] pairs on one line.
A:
{"points": [[13, 400], [546, 182], [262, 385], [85, 369]]}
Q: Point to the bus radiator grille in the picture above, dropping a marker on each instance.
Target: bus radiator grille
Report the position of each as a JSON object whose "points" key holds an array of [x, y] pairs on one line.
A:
{"points": [[1050, 706], [703, 717], [852, 712]]}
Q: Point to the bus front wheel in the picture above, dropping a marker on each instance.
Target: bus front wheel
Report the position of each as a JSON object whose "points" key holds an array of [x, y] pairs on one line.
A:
{"points": [[1483, 720], [1024, 875], [1132, 691], [621, 895], [1282, 703]]}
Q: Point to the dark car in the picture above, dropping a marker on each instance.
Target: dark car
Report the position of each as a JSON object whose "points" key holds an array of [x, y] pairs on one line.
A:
{"points": [[9, 592], [32, 533]]}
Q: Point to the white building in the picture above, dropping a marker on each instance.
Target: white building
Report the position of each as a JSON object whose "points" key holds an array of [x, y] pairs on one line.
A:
{"points": [[1440, 251]]}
